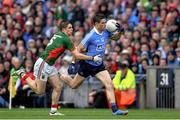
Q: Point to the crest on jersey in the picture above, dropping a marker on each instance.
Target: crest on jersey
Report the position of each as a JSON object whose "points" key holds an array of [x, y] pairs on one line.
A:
{"points": [[100, 47]]}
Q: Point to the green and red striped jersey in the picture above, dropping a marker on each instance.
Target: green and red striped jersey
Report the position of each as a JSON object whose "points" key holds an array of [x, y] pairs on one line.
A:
{"points": [[56, 47]]}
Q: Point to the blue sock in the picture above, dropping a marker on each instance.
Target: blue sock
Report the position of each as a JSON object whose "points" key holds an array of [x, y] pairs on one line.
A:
{"points": [[114, 107]]}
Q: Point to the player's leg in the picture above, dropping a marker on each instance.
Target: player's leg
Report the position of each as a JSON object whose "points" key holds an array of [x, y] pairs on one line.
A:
{"points": [[57, 87], [37, 85], [73, 82], [105, 78]]}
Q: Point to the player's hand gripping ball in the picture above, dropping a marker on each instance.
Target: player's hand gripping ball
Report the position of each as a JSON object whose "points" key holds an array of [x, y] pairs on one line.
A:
{"points": [[111, 25]]}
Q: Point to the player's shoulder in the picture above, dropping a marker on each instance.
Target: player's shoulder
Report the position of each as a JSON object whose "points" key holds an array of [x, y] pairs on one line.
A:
{"points": [[60, 35], [106, 32], [90, 34]]}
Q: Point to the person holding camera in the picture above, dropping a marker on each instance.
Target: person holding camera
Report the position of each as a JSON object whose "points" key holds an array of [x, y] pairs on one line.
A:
{"points": [[125, 85]]}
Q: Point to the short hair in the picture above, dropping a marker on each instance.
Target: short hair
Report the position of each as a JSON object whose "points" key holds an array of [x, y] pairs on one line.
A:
{"points": [[98, 17], [63, 24]]}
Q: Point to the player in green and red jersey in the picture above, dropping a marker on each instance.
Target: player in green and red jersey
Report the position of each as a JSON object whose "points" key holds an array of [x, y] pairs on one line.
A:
{"points": [[44, 69], [56, 47]]}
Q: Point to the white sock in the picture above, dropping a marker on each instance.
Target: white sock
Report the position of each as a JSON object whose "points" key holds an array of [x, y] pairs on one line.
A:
{"points": [[53, 110]]}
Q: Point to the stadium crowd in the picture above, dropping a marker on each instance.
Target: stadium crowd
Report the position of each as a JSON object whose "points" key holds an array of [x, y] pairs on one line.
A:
{"points": [[151, 35]]}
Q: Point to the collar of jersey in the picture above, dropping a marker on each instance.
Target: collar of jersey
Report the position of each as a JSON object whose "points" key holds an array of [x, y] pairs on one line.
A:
{"points": [[97, 31]]}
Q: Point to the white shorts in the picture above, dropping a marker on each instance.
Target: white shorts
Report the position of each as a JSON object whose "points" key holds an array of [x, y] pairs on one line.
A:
{"points": [[43, 70]]}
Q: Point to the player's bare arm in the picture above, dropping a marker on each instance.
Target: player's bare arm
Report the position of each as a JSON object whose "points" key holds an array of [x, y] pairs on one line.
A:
{"points": [[80, 56], [81, 48]]}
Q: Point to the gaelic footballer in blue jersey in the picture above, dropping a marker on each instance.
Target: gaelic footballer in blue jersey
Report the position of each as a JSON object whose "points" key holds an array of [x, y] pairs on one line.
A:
{"points": [[95, 43]]}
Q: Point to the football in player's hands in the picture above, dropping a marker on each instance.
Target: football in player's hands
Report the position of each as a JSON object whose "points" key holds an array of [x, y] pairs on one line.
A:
{"points": [[111, 25]]}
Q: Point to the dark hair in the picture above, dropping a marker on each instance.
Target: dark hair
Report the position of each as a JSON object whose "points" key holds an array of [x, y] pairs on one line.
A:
{"points": [[122, 65], [146, 60], [98, 17], [63, 24], [155, 56]]}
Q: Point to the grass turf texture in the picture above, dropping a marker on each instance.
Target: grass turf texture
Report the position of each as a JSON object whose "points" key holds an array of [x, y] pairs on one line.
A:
{"points": [[88, 114]]}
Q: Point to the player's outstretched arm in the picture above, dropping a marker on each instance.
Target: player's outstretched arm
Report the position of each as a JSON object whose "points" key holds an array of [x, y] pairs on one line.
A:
{"points": [[81, 56]]}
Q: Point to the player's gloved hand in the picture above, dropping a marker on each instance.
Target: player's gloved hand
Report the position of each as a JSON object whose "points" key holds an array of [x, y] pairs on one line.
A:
{"points": [[119, 28], [72, 69], [97, 58]]}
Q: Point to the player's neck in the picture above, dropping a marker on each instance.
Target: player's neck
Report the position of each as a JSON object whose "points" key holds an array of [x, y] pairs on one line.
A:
{"points": [[65, 32], [97, 30]]}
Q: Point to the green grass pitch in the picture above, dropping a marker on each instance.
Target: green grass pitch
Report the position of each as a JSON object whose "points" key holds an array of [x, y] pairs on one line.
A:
{"points": [[88, 114]]}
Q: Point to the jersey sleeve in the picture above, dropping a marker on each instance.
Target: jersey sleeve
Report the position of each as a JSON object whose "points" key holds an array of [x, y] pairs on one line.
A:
{"points": [[86, 40]]}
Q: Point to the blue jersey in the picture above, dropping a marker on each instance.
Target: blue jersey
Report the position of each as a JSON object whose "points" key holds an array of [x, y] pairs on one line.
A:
{"points": [[95, 44]]}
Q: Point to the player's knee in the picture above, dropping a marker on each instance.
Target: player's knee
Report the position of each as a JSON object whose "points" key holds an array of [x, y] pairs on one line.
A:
{"points": [[58, 87], [74, 86]]}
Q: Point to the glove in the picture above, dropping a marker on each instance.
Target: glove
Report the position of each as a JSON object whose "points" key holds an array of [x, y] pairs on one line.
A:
{"points": [[119, 28], [97, 58], [72, 69]]}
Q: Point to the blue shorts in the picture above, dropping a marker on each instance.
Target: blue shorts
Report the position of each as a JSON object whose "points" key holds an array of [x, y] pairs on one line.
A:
{"points": [[86, 69]]}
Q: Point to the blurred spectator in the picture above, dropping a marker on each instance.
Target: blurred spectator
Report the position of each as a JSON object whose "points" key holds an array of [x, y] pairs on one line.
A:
{"points": [[21, 53], [134, 68], [76, 13], [16, 35], [78, 36], [125, 85], [38, 28], [132, 19], [153, 46], [32, 46], [5, 41], [26, 6], [143, 66], [163, 44], [155, 60], [15, 82], [171, 61], [97, 98], [7, 66], [126, 56], [48, 29], [163, 62], [28, 32], [61, 12], [4, 77], [178, 55], [108, 64], [103, 9]]}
